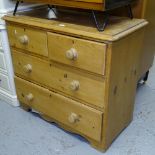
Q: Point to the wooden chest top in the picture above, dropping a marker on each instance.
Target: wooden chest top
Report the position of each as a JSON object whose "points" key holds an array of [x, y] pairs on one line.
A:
{"points": [[70, 24]]}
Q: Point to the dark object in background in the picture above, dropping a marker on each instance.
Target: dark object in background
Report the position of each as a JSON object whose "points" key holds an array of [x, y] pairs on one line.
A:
{"points": [[112, 4], [95, 5]]}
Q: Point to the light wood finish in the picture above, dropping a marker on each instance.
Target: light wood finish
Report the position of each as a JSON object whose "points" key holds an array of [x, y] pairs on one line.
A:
{"points": [[88, 89], [111, 94], [85, 4], [122, 84], [144, 9], [73, 114], [147, 12], [118, 27], [77, 52], [27, 38]]}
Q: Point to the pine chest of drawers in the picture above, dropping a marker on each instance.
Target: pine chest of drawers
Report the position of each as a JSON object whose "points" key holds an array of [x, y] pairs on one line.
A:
{"points": [[73, 75]]}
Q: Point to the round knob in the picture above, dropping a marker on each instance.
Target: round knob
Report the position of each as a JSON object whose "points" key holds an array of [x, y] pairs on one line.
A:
{"points": [[74, 85], [72, 54], [27, 68], [29, 97], [73, 118], [24, 39]]}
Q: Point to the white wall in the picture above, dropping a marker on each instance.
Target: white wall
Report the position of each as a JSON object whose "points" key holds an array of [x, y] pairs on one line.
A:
{"points": [[8, 6]]}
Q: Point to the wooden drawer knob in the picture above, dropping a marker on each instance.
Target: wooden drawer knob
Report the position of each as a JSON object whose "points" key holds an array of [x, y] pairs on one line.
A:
{"points": [[72, 54], [27, 68], [24, 39], [74, 85], [29, 97], [73, 118]]}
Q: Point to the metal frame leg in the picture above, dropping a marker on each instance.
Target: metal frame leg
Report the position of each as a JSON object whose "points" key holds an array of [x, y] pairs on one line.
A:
{"points": [[104, 24], [130, 13], [16, 6], [51, 8], [146, 77]]}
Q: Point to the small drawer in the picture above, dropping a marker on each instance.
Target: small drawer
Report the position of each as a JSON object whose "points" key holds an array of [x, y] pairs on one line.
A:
{"points": [[32, 40], [75, 115], [83, 54], [4, 82], [76, 85], [2, 61]]}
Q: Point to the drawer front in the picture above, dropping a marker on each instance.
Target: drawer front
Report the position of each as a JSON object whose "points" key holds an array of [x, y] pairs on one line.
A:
{"points": [[2, 61], [32, 40], [68, 82], [79, 117], [85, 4], [4, 82], [87, 55]]}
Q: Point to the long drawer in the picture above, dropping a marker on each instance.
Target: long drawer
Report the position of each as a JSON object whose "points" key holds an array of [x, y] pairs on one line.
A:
{"points": [[83, 4], [77, 116], [28, 39], [83, 54], [77, 86], [89, 1]]}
